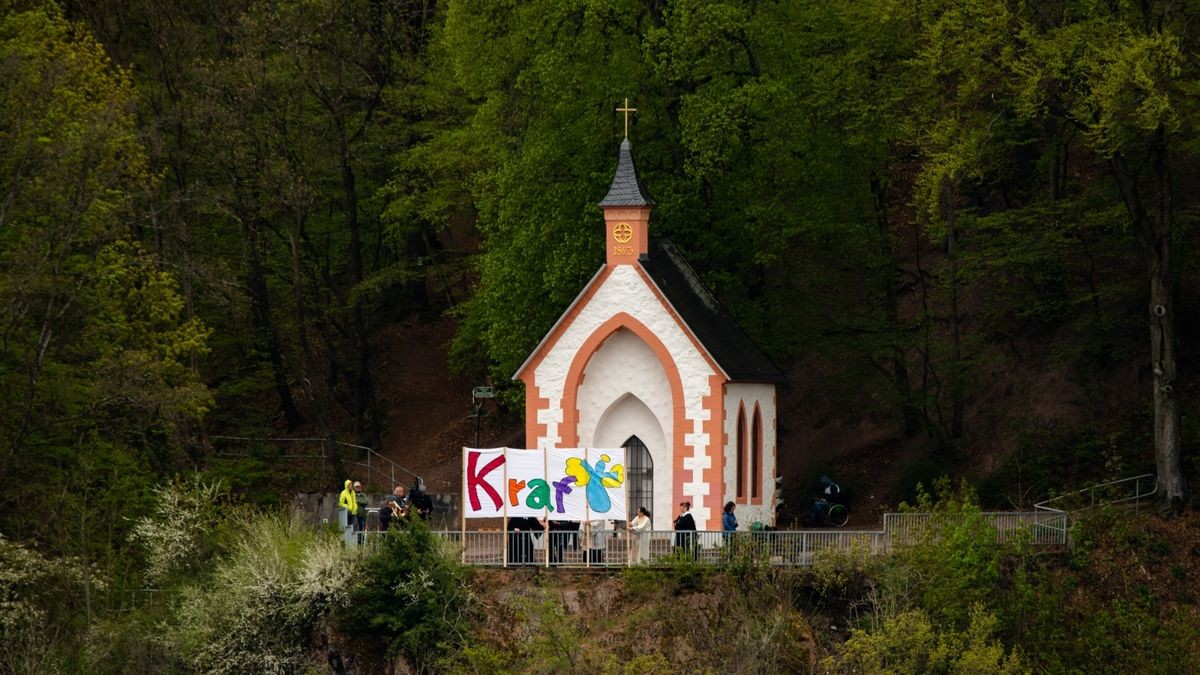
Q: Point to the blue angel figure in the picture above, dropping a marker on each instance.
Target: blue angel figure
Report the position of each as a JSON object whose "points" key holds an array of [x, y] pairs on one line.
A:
{"points": [[596, 479]]}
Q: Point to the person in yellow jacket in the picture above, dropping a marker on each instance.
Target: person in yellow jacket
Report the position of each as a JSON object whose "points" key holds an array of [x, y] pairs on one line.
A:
{"points": [[348, 501]]}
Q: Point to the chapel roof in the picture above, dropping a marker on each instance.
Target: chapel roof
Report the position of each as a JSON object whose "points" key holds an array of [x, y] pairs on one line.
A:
{"points": [[711, 323], [626, 188]]}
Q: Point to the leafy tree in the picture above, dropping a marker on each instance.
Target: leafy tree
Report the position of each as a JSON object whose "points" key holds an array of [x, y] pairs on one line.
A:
{"points": [[1109, 79], [413, 600], [94, 345]]}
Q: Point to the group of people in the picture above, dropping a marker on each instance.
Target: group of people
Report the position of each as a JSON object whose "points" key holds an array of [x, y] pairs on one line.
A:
{"points": [[394, 509]]}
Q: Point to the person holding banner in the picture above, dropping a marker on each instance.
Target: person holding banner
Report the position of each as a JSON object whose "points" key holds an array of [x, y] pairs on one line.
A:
{"points": [[640, 527], [520, 540]]}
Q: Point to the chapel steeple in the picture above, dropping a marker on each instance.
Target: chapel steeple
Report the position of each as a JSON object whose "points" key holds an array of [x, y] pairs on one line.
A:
{"points": [[626, 188], [626, 207]]}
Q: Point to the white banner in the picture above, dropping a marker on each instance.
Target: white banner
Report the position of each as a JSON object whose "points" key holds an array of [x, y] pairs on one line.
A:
{"points": [[570, 502], [607, 500], [527, 492], [483, 482], [559, 484]]}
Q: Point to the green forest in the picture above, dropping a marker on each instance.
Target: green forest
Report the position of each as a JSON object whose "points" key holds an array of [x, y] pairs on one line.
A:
{"points": [[210, 213]]}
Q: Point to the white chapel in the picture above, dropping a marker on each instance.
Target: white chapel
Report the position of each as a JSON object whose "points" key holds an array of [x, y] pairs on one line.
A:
{"points": [[646, 358]]}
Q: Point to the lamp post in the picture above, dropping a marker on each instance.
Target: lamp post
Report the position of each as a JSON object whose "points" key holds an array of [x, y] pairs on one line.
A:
{"points": [[478, 396]]}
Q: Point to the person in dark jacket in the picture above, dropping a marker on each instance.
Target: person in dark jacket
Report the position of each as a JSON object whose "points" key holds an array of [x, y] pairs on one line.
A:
{"points": [[361, 504], [520, 541], [828, 496], [394, 508], [685, 529]]}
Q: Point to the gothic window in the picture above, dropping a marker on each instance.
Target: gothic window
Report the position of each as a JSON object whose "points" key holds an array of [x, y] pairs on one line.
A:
{"points": [[639, 474], [756, 456], [741, 454]]}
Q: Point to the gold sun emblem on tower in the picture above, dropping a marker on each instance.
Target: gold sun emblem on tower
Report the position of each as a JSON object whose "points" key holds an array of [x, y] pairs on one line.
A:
{"points": [[622, 233]]}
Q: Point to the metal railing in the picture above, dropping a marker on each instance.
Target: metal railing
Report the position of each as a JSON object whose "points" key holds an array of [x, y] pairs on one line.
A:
{"points": [[1133, 489], [375, 462], [620, 548], [1045, 527]]}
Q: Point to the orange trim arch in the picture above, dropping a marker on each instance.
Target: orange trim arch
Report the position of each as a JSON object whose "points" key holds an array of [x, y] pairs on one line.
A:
{"points": [[569, 429]]}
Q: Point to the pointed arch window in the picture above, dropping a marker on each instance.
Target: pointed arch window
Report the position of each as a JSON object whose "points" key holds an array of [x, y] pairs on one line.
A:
{"points": [[756, 457], [639, 476], [741, 454]]}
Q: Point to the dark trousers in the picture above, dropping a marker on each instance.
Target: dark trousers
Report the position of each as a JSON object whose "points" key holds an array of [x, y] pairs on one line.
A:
{"points": [[686, 541], [520, 548]]}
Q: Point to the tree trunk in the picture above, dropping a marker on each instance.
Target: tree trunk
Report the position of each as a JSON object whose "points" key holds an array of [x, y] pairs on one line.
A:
{"points": [[956, 369], [366, 427], [1155, 233], [316, 396], [261, 306], [891, 310]]}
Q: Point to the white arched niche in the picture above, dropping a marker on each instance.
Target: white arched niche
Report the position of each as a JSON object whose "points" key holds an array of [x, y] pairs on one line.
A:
{"points": [[625, 392], [629, 416]]}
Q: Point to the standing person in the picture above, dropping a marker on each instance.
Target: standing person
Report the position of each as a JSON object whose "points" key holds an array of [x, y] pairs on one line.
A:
{"points": [[597, 536], [360, 510], [419, 503], [520, 541], [349, 505], [685, 528], [394, 508], [557, 540], [729, 521], [729, 525], [640, 526]]}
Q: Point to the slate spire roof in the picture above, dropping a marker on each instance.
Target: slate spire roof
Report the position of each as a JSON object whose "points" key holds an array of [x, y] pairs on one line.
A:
{"points": [[627, 188]]}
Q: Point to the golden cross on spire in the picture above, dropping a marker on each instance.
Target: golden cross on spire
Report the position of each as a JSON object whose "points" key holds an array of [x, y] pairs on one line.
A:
{"points": [[626, 110]]}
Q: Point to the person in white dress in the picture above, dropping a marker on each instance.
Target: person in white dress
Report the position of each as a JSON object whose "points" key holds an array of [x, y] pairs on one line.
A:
{"points": [[639, 527], [597, 536]]}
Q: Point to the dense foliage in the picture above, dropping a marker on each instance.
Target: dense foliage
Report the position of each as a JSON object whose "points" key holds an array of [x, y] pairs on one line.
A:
{"points": [[412, 599]]}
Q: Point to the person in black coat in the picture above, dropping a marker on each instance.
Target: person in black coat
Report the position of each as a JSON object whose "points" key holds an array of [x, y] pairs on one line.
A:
{"points": [[685, 529], [520, 541]]}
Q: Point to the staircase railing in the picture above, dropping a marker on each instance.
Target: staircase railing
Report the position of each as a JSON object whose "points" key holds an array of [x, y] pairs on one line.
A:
{"points": [[375, 464], [1133, 489]]}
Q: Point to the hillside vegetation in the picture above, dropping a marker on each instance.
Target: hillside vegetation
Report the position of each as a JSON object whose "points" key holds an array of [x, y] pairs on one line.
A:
{"points": [[238, 593]]}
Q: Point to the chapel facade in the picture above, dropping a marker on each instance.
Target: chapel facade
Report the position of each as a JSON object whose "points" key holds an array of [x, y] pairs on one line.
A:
{"points": [[646, 358]]}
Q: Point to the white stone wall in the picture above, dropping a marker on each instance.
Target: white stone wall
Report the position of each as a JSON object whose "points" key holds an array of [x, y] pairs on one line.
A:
{"points": [[748, 395], [625, 290]]}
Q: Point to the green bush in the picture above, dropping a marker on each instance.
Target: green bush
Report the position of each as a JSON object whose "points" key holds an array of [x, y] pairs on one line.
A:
{"points": [[911, 642], [412, 599]]}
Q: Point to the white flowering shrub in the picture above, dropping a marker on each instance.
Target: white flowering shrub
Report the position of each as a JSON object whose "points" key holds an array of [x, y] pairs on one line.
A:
{"points": [[30, 585], [178, 536], [264, 602]]}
